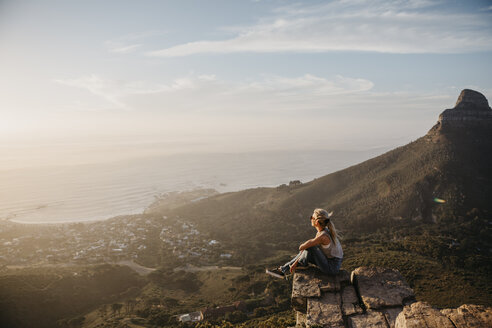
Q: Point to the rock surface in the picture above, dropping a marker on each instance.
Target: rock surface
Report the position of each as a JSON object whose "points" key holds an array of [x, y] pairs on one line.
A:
{"points": [[350, 301], [334, 300], [391, 314], [468, 316], [324, 311], [371, 319], [471, 110], [471, 99], [373, 298], [421, 314], [305, 285], [379, 287]]}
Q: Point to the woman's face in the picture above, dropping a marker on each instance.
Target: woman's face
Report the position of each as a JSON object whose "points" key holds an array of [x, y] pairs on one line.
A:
{"points": [[313, 221]]}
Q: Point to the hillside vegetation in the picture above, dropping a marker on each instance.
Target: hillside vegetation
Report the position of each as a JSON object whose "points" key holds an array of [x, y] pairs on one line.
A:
{"points": [[44, 297]]}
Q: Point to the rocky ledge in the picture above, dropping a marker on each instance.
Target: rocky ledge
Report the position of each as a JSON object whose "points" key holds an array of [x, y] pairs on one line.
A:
{"points": [[372, 297]]}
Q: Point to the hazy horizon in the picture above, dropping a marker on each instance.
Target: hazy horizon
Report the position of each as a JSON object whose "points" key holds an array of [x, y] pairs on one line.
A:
{"points": [[238, 75], [101, 190]]}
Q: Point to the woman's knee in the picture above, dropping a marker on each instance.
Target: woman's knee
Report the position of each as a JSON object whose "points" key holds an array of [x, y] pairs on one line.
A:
{"points": [[332, 267]]}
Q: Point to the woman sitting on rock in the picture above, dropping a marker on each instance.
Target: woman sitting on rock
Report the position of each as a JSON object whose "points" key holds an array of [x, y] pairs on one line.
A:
{"points": [[324, 250]]}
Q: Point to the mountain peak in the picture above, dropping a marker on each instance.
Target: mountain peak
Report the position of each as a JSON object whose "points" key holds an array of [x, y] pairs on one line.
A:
{"points": [[471, 99], [471, 111]]}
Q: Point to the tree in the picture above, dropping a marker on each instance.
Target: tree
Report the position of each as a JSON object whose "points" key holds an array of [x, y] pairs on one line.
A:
{"points": [[130, 306], [236, 316], [116, 308]]}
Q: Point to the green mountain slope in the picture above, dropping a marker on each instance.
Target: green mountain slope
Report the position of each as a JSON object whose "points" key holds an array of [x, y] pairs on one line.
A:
{"points": [[452, 165]]}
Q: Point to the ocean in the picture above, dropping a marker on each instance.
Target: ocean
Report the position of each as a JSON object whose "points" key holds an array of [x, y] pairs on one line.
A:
{"points": [[69, 192]]}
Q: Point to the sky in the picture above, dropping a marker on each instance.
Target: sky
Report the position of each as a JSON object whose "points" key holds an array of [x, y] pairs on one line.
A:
{"points": [[237, 75]]}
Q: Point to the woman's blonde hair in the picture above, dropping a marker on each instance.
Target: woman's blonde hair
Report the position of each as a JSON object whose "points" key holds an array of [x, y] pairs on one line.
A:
{"points": [[323, 218]]}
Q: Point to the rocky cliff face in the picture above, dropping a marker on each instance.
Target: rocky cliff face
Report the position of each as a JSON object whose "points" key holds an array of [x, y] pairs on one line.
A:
{"points": [[372, 298], [471, 110]]}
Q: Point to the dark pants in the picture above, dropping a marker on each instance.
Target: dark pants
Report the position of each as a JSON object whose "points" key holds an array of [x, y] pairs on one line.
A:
{"points": [[315, 256]]}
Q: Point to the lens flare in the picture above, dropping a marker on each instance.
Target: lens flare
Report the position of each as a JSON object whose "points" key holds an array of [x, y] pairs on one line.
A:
{"points": [[440, 201]]}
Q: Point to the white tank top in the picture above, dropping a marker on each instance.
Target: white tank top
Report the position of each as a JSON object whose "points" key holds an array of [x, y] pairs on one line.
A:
{"points": [[332, 249]]}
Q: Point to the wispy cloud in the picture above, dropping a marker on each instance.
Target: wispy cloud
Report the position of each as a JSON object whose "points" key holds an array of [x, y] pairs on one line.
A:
{"points": [[354, 25], [106, 89], [307, 84], [119, 48], [207, 96], [207, 92], [130, 42], [116, 91]]}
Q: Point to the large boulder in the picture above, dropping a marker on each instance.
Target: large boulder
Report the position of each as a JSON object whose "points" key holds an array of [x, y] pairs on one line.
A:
{"points": [[470, 316], [381, 287], [420, 314]]}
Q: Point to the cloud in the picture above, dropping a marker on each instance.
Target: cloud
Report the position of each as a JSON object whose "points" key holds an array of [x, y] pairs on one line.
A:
{"points": [[281, 109], [116, 91], [199, 97], [105, 89], [208, 93], [310, 84], [354, 25], [130, 42], [119, 48]]}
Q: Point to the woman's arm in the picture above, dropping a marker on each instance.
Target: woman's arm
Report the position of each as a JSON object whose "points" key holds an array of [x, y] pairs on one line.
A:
{"points": [[321, 239]]}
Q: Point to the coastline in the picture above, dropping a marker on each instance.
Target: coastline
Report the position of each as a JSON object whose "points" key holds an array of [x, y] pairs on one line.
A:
{"points": [[61, 222], [108, 192], [170, 199]]}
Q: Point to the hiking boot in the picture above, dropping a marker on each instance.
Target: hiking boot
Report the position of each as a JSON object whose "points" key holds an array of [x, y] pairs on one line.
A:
{"points": [[277, 273]]}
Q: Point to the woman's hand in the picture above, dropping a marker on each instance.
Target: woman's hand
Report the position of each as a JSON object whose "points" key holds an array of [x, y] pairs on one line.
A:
{"points": [[302, 247], [293, 267]]}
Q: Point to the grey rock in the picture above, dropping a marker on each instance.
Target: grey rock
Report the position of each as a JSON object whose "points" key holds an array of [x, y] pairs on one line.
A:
{"points": [[380, 287], [331, 301], [350, 301], [300, 320], [311, 282], [332, 283], [371, 319], [328, 283], [470, 316], [324, 311], [421, 314], [343, 277], [391, 314], [304, 285], [299, 304]]}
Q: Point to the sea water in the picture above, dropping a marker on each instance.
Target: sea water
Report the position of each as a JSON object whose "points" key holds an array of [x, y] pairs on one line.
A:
{"points": [[64, 190]]}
